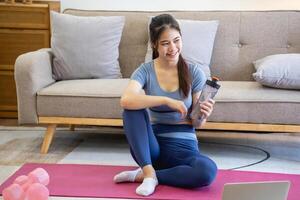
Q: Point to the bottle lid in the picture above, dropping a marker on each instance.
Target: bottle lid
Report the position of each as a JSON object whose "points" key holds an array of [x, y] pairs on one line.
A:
{"points": [[215, 78], [213, 82]]}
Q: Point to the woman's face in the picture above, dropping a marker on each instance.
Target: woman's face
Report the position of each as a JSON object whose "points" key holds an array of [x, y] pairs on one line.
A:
{"points": [[169, 45]]}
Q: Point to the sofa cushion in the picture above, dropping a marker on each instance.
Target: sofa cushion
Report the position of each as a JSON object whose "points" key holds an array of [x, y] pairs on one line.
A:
{"points": [[198, 40], [253, 92], [85, 47], [86, 88], [250, 102], [237, 101], [256, 112], [279, 71], [95, 98]]}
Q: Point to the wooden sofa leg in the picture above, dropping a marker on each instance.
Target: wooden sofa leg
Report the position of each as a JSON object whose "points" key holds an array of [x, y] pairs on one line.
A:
{"points": [[48, 138]]}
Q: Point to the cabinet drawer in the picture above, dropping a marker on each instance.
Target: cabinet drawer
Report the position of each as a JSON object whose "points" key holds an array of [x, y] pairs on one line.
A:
{"points": [[16, 42], [33, 16], [8, 97]]}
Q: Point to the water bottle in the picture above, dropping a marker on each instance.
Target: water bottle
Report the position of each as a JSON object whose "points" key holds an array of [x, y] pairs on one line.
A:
{"points": [[209, 91]]}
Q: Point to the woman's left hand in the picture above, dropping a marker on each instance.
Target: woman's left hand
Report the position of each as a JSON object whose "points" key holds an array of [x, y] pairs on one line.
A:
{"points": [[207, 107]]}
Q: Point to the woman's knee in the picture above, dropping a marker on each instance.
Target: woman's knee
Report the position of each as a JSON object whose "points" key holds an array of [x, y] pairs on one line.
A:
{"points": [[205, 171]]}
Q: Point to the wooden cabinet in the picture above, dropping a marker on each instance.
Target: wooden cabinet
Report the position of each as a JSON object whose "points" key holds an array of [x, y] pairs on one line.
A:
{"points": [[23, 28]]}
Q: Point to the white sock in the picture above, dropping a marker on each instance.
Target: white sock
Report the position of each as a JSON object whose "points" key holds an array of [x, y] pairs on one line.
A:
{"points": [[147, 187], [127, 176]]}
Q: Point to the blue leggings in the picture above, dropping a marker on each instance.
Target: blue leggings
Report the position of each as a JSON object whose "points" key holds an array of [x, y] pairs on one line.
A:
{"points": [[177, 161]]}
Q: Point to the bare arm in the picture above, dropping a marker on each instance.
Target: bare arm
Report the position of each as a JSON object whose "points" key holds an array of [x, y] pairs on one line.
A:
{"points": [[134, 99]]}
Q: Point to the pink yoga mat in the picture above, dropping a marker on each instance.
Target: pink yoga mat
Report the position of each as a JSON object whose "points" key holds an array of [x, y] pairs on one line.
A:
{"points": [[73, 180]]}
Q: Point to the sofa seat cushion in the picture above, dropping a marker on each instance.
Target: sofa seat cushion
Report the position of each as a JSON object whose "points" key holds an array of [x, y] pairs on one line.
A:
{"points": [[237, 101], [251, 91], [250, 102], [95, 98]]}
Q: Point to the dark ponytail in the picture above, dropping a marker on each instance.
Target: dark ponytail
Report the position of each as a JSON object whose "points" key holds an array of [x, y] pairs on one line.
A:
{"points": [[184, 77]]}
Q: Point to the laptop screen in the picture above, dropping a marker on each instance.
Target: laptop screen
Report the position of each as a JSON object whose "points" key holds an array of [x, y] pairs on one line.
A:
{"points": [[273, 190]]}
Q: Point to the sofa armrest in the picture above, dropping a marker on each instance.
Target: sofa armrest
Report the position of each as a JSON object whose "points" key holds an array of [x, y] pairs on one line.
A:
{"points": [[33, 71]]}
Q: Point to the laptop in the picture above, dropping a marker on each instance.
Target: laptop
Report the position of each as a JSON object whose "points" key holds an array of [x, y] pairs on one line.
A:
{"points": [[273, 190]]}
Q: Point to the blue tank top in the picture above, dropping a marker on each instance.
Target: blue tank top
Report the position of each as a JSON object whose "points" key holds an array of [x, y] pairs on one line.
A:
{"points": [[146, 76]]}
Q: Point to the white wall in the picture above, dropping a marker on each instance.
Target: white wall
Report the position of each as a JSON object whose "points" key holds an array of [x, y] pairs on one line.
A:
{"points": [[154, 5]]}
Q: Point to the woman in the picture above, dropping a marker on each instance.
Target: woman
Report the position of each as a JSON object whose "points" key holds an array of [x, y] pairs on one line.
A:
{"points": [[165, 146]]}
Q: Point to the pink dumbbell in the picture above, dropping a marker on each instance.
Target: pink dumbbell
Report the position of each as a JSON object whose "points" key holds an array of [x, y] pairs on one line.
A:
{"points": [[13, 192], [37, 191], [31, 187], [39, 175]]}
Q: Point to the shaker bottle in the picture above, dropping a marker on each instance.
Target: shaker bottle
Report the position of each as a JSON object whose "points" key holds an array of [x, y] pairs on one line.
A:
{"points": [[209, 91]]}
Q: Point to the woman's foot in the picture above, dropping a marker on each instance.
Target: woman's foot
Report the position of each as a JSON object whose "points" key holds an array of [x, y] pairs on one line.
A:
{"points": [[147, 187], [149, 182], [129, 176]]}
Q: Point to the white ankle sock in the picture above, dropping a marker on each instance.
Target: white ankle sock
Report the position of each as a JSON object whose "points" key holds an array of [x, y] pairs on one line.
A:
{"points": [[147, 187], [127, 176]]}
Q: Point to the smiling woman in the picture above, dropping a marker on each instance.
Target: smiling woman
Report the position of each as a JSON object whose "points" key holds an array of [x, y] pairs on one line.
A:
{"points": [[163, 142], [170, 45]]}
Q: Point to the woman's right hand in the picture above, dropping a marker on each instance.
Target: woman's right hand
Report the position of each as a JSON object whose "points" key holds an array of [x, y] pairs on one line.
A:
{"points": [[178, 106]]}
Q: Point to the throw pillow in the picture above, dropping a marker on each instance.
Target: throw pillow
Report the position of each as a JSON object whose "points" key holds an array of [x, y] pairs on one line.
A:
{"points": [[198, 40], [279, 71], [85, 47]]}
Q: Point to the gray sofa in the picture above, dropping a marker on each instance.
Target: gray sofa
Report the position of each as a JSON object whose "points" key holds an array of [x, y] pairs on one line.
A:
{"points": [[242, 103]]}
